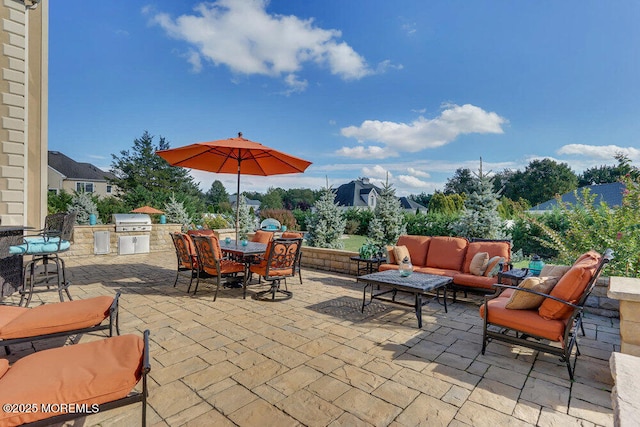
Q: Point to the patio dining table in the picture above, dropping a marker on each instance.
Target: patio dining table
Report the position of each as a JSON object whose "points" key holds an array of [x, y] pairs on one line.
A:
{"points": [[243, 253]]}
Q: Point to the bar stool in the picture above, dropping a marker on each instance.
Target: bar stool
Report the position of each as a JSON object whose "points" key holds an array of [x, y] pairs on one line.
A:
{"points": [[45, 247]]}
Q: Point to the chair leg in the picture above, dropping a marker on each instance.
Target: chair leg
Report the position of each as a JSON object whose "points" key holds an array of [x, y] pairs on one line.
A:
{"points": [[215, 296]]}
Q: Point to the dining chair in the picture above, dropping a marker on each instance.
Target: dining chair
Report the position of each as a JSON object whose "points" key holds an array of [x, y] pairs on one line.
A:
{"points": [[187, 258], [262, 237], [212, 263], [295, 235], [45, 246], [278, 264]]}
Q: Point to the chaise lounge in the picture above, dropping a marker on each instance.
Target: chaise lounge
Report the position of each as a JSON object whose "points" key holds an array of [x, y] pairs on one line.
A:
{"points": [[21, 324], [60, 384]]}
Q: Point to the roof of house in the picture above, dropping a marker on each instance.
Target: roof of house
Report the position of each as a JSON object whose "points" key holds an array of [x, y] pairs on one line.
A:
{"points": [[611, 194], [75, 170], [250, 202], [355, 193], [409, 204]]}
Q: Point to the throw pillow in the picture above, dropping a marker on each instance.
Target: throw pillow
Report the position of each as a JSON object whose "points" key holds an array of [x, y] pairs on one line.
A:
{"points": [[493, 266], [401, 252], [479, 263], [527, 301], [550, 270], [391, 258]]}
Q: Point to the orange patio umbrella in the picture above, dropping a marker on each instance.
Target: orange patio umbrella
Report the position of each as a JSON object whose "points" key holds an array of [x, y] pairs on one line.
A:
{"points": [[147, 210], [234, 155]]}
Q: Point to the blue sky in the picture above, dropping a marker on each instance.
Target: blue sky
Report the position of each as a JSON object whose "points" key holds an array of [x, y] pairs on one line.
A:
{"points": [[414, 88]]}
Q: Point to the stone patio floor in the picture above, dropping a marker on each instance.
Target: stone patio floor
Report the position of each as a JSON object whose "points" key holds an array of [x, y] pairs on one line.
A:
{"points": [[316, 360]]}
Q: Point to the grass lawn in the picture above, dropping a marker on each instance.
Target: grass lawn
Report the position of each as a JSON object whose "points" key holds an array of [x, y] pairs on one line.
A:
{"points": [[353, 242]]}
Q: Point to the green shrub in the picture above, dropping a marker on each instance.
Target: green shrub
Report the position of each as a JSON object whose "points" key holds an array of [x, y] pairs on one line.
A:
{"points": [[216, 222], [431, 223]]}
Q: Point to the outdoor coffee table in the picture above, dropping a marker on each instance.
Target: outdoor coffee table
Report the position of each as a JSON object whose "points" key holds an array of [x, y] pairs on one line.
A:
{"points": [[418, 284]]}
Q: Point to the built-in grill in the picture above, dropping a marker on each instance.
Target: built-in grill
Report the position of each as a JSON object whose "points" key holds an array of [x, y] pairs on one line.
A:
{"points": [[132, 222]]}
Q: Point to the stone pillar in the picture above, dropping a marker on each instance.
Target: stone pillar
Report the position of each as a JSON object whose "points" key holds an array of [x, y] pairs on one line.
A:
{"points": [[627, 291]]}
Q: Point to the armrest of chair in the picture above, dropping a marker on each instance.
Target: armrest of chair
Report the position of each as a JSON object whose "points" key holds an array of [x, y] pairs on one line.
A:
{"points": [[531, 291], [146, 365]]}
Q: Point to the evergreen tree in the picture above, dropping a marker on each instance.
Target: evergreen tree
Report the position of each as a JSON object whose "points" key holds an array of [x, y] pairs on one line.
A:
{"points": [[246, 218], [326, 225], [83, 205], [176, 213], [480, 218], [388, 219]]}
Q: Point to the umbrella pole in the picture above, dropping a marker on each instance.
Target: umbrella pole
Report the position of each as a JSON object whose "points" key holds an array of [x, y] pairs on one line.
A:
{"points": [[238, 203]]}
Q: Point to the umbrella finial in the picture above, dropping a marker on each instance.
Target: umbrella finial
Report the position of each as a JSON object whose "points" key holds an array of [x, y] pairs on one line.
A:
{"points": [[239, 134]]}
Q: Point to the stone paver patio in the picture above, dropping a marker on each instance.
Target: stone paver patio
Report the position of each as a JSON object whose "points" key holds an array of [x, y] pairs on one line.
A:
{"points": [[316, 360]]}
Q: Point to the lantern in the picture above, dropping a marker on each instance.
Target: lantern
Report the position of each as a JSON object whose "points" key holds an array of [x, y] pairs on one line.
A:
{"points": [[535, 265]]}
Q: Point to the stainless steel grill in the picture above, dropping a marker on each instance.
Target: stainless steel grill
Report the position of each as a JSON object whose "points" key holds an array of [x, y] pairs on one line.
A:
{"points": [[132, 222]]}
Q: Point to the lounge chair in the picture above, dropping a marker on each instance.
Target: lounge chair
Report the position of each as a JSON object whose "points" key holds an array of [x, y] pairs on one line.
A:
{"points": [[21, 324], [60, 384], [545, 320]]}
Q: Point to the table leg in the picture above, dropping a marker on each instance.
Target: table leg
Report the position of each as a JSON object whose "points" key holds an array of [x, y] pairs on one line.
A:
{"points": [[364, 296], [419, 309], [444, 292]]}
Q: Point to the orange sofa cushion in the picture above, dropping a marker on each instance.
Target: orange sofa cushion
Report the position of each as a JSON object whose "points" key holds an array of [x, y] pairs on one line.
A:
{"points": [[4, 367], [502, 249], [527, 321], [571, 286], [58, 317], [8, 313], [90, 373], [474, 281], [447, 252], [418, 247]]}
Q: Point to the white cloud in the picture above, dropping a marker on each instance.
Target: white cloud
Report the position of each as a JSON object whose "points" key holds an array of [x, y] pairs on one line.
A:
{"points": [[194, 59], [243, 36], [418, 173], [425, 133], [361, 152], [600, 152], [376, 172], [412, 181]]}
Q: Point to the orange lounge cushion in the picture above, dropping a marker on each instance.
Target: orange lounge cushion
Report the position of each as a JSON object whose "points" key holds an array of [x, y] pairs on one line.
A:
{"points": [[526, 301], [4, 367], [447, 252], [527, 321], [571, 286], [474, 281], [498, 248], [8, 313], [58, 317], [90, 373], [261, 269], [418, 247]]}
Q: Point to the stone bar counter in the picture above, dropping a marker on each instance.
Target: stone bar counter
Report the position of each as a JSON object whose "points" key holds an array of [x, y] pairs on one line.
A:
{"points": [[627, 291], [10, 265]]}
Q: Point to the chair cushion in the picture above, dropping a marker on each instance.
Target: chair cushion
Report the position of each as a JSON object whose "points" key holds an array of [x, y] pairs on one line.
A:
{"points": [[571, 286], [447, 252], [90, 373], [527, 301], [474, 281], [39, 247], [418, 247], [292, 235], [478, 263], [262, 237], [527, 321], [57, 317], [8, 313]]}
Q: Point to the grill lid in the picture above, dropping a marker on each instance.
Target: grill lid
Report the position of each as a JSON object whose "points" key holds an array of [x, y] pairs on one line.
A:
{"points": [[131, 219]]}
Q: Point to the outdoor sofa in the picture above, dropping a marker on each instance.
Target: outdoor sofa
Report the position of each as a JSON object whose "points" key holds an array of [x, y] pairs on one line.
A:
{"points": [[453, 256]]}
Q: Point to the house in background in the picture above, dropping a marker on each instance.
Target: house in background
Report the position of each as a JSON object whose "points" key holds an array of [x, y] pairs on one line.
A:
{"points": [[610, 194], [66, 174], [362, 194], [255, 204]]}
